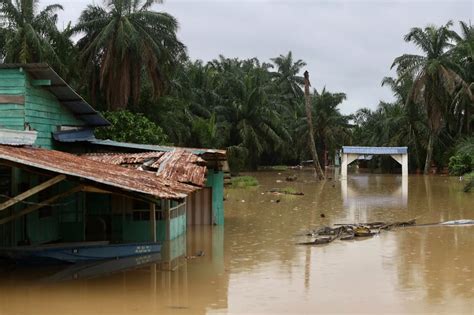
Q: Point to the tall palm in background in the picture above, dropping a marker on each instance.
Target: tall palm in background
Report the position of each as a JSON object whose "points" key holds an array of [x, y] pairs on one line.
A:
{"points": [[255, 123], [27, 34], [124, 43], [435, 76], [464, 55]]}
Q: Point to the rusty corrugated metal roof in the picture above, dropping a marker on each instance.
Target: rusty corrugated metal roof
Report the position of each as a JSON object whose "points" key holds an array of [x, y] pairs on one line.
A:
{"points": [[177, 165], [211, 154], [96, 171], [124, 158]]}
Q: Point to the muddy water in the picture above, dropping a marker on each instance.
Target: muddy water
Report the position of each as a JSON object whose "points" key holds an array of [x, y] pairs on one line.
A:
{"points": [[253, 265]]}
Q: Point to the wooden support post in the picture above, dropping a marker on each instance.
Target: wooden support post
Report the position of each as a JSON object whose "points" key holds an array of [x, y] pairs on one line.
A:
{"points": [[166, 212], [40, 205], [31, 192], [153, 221]]}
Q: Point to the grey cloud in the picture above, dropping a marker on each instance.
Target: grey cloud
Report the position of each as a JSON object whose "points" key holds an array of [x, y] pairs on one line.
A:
{"points": [[348, 45]]}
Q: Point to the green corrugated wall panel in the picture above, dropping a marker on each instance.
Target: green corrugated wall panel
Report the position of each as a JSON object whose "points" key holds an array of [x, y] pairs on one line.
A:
{"points": [[215, 179]]}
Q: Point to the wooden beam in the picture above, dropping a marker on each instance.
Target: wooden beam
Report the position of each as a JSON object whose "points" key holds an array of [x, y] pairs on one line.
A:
{"points": [[41, 82], [32, 191], [12, 99], [40, 205], [153, 221]]}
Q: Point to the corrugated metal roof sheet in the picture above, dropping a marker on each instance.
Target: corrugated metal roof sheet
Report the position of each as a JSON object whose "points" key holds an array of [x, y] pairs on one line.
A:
{"points": [[375, 150], [95, 171], [17, 137], [177, 165], [216, 154], [62, 91]]}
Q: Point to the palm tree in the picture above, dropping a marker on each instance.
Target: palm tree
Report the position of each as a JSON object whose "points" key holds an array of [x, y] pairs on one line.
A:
{"points": [[464, 54], [287, 78], [255, 124], [309, 121], [434, 74], [125, 43], [27, 34]]}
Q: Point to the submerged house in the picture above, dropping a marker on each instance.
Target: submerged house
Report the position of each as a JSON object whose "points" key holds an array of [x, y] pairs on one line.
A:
{"points": [[58, 183]]}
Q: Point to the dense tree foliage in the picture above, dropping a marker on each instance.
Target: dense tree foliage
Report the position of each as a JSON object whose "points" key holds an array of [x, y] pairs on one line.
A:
{"points": [[126, 55]]}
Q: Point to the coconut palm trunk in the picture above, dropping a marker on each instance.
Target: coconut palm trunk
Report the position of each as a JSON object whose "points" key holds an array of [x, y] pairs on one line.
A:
{"points": [[429, 153], [309, 119]]}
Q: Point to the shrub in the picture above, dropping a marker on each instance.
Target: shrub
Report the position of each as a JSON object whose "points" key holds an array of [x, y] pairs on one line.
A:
{"points": [[460, 164], [244, 181], [130, 127]]}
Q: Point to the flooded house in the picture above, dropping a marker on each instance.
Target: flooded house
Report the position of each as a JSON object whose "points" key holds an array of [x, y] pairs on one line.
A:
{"points": [[58, 183]]}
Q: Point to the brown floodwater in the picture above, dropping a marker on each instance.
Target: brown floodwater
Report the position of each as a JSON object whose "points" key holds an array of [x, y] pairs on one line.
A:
{"points": [[252, 265]]}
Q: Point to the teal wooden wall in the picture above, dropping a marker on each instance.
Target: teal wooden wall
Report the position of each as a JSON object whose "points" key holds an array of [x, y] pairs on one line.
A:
{"points": [[139, 231], [12, 82], [215, 179], [44, 114], [41, 109]]}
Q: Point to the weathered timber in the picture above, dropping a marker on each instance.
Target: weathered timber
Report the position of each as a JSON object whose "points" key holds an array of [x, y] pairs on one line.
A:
{"points": [[40, 205], [12, 99], [30, 192]]}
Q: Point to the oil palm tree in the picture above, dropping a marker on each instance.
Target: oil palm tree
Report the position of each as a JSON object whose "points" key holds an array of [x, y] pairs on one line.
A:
{"points": [[123, 43], [434, 74], [255, 125], [464, 54], [27, 34]]}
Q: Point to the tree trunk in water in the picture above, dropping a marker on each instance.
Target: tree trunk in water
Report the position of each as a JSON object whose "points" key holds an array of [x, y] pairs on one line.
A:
{"points": [[309, 119], [429, 153]]}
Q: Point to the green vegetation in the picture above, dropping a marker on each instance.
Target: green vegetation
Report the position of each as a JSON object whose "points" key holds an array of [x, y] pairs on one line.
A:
{"points": [[288, 190], [244, 181], [130, 127], [120, 59]]}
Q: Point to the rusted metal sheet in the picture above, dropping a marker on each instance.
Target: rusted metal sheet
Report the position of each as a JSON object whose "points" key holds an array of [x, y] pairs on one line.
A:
{"points": [[207, 154], [17, 137], [124, 158], [177, 165], [96, 171]]}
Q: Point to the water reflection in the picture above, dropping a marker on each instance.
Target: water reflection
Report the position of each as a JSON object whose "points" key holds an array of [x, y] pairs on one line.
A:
{"points": [[375, 191], [254, 266], [164, 284]]}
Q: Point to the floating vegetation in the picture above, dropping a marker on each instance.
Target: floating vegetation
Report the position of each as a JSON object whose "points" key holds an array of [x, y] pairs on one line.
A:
{"points": [[244, 181]]}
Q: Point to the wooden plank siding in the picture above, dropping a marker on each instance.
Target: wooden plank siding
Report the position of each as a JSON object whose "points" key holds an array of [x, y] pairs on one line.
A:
{"points": [[45, 114], [12, 85]]}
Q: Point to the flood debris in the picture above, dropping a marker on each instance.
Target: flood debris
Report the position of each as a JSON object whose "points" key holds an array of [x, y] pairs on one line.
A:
{"points": [[345, 232], [291, 178], [285, 191]]}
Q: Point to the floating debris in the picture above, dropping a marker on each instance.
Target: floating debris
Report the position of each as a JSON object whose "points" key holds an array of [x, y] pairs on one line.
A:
{"points": [[344, 232], [285, 191], [291, 178]]}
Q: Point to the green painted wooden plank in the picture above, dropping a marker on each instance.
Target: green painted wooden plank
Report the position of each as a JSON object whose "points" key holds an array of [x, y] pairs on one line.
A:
{"points": [[5, 107], [40, 82], [11, 82], [12, 121], [12, 90], [12, 113]]}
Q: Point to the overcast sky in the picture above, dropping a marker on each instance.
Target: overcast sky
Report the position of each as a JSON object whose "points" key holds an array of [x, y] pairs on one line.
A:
{"points": [[348, 45]]}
